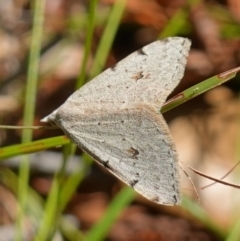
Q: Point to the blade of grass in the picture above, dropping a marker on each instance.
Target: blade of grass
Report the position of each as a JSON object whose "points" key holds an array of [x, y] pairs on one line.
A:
{"points": [[33, 68], [179, 22], [34, 204], [107, 38], [234, 233], [198, 89], [31, 147], [49, 216], [121, 201], [69, 231], [29, 107], [71, 184], [198, 212], [88, 42]]}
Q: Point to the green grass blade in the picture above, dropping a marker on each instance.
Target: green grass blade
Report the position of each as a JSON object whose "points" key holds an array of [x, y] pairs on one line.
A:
{"points": [[198, 212], [178, 24], [50, 214], [71, 184], [121, 201], [33, 68], [107, 38], [34, 203], [88, 42], [31, 147], [198, 89], [69, 231], [234, 233], [29, 108]]}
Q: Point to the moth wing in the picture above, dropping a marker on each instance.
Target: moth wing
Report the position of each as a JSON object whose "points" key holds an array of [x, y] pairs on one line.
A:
{"points": [[133, 143], [148, 75]]}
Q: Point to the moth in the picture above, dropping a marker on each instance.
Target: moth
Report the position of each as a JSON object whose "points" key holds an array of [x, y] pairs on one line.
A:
{"points": [[116, 119]]}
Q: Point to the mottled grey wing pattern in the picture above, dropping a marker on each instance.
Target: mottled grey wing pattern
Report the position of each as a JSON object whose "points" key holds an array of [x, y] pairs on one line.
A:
{"points": [[133, 143], [115, 118], [148, 75]]}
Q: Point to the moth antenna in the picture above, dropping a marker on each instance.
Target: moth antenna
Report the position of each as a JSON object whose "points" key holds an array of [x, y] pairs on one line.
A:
{"points": [[211, 184], [27, 127], [194, 187], [214, 179]]}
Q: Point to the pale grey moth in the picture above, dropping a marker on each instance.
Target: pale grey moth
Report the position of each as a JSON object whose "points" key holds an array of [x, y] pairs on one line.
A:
{"points": [[116, 119]]}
